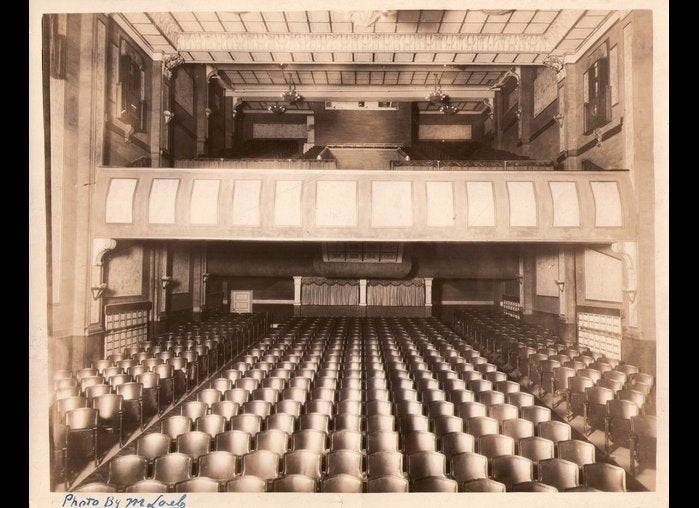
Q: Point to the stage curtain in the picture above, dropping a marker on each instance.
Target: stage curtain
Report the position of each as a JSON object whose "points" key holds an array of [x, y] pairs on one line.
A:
{"points": [[320, 291], [410, 293]]}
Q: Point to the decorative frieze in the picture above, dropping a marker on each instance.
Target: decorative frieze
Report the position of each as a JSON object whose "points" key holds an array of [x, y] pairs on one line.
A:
{"points": [[421, 43]]}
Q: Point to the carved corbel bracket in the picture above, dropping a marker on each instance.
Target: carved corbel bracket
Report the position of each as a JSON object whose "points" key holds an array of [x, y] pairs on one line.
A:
{"points": [[170, 62], [100, 246], [554, 63]]}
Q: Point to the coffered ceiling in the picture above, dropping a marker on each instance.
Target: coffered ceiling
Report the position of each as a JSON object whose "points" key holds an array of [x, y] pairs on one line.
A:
{"points": [[342, 54]]}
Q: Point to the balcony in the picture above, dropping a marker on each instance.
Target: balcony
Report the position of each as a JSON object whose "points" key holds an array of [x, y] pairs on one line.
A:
{"points": [[408, 205]]}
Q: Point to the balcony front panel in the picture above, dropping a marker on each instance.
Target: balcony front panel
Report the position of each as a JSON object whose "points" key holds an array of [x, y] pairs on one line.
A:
{"points": [[304, 204]]}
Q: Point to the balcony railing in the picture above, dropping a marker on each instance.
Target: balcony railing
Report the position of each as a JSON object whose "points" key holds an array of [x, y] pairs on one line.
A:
{"points": [[473, 165], [395, 165], [255, 164]]}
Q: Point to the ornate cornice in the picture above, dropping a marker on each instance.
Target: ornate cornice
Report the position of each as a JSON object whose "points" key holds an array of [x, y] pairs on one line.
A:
{"points": [[367, 42], [167, 26], [465, 43]]}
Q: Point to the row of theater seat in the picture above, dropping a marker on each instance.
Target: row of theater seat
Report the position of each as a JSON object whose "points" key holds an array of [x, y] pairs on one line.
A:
{"points": [[118, 395], [610, 396], [365, 404]]}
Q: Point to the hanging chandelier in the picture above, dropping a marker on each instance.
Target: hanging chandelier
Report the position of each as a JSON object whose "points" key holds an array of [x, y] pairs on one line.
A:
{"points": [[448, 109], [437, 96], [277, 109], [291, 95]]}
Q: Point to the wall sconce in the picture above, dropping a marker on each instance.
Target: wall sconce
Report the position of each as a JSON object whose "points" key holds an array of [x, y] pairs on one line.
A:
{"points": [[561, 285], [166, 281], [169, 115], [205, 277], [631, 294], [488, 108], [598, 136], [559, 118], [208, 112], [128, 132], [518, 113], [98, 291], [520, 279]]}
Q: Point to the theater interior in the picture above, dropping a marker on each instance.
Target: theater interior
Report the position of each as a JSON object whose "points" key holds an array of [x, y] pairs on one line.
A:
{"points": [[350, 251]]}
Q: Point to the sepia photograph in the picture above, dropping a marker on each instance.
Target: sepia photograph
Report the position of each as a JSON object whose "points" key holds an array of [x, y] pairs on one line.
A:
{"points": [[295, 253]]}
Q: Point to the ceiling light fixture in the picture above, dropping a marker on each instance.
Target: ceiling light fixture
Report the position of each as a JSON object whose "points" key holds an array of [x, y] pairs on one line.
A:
{"points": [[448, 109], [437, 96], [277, 109], [291, 95]]}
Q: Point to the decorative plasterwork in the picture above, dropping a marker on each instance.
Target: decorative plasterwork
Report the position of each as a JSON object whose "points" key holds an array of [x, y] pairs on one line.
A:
{"points": [[100, 246], [468, 43], [364, 42], [356, 92], [167, 25], [557, 64], [170, 62], [211, 73], [627, 251], [554, 62]]}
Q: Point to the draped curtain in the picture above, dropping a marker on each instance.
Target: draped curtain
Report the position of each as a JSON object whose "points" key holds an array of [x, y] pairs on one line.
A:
{"points": [[320, 291], [408, 293]]}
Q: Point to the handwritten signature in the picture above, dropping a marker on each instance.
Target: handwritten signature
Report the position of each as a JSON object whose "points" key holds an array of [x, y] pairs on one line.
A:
{"points": [[72, 500]]}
